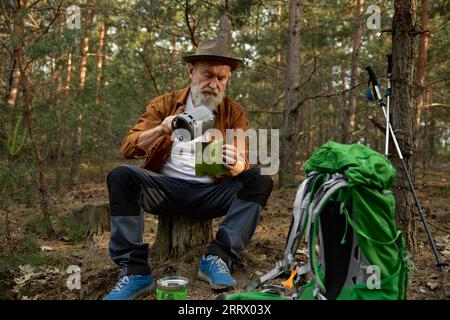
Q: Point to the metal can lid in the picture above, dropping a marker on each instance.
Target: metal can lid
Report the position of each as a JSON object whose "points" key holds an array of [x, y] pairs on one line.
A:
{"points": [[173, 283]]}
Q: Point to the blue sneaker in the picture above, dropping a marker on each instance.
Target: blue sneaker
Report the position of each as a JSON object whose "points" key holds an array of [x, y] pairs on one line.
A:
{"points": [[129, 287], [215, 271]]}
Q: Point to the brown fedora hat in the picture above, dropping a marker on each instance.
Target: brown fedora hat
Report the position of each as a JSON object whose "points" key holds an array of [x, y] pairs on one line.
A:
{"points": [[214, 49]]}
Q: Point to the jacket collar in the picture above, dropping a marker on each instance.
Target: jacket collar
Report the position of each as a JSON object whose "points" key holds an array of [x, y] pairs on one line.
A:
{"points": [[181, 96]]}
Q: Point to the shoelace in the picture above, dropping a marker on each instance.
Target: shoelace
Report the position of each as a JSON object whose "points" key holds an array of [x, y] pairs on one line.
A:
{"points": [[221, 265], [122, 282]]}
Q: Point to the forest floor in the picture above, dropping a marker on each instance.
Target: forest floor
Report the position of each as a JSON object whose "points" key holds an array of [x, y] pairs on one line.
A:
{"points": [[48, 278]]}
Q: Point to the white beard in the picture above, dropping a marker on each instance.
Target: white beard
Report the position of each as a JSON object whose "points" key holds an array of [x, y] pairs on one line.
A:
{"points": [[208, 100]]}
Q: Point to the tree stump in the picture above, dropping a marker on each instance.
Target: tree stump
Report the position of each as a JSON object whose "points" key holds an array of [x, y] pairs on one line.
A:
{"points": [[177, 234], [94, 218]]}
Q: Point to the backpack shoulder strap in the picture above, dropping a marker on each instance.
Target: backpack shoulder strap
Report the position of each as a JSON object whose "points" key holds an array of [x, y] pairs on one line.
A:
{"points": [[298, 222], [322, 197]]}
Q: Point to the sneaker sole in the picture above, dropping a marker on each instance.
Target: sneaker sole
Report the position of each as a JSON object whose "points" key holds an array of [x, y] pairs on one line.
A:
{"points": [[142, 293], [202, 276]]}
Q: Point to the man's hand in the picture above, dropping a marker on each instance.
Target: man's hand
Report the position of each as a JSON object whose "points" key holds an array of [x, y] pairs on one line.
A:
{"points": [[147, 138], [233, 161], [166, 125]]}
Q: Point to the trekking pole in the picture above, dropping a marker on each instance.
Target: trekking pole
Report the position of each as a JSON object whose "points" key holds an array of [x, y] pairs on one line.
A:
{"points": [[376, 88], [388, 96]]}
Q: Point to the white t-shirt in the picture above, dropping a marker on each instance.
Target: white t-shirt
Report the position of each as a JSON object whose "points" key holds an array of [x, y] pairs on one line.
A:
{"points": [[181, 161]]}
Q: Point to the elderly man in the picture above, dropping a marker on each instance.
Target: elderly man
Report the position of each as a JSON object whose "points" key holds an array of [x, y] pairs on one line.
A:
{"points": [[167, 183]]}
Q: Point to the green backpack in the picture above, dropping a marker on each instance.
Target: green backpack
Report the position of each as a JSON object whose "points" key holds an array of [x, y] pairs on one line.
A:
{"points": [[344, 211]]}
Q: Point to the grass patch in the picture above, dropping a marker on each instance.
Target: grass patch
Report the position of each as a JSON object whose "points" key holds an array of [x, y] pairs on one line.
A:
{"points": [[76, 232], [20, 251], [40, 226], [445, 191]]}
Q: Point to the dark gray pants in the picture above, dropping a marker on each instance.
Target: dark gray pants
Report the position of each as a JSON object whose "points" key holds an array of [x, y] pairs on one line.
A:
{"points": [[133, 190]]}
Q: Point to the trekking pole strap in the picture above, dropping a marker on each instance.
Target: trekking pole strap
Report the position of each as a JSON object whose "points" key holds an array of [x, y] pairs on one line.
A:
{"points": [[376, 86]]}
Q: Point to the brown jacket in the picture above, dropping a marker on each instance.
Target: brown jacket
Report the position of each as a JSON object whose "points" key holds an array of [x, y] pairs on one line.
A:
{"points": [[229, 115]]}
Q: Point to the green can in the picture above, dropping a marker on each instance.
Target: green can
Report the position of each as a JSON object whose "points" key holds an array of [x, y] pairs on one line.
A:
{"points": [[172, 288]]}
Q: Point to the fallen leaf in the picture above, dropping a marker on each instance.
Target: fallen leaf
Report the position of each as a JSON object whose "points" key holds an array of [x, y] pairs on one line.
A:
{"points": [[26, 268], [446, 253], [47, 248], [433, 285]]}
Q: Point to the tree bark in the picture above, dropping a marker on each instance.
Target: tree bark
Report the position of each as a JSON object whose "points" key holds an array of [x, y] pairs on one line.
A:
{"points": [[100, 61], [403, 33], [56, 94], [43, 194], [320, 114], [344, 109], [173, 61], [422, 64], [429, 132], [354, 70], [290, 116], [77, 136], [225, 25], [13, 83], [432, 130], [178, 234], [62, 119], [330, 128], [26, 109], [15, 76], [278, 85], [309, 109], [94, 218]]}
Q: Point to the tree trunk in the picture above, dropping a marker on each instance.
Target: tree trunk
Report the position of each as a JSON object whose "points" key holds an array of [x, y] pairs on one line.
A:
{"points": [[426, 153], [354, 70], [19, 25], [275, 120], [430, 131], [56, 96], [15, 76], [94, 218], [309, 109], [43, 194], [344, 110], [62, 119], [290, 116], [173, 61], [100, 61], [77, 136], [14, 79], [178, 234], [330, 128], [421, 66], [278, 44], [321, 137], [403, 33], [224, 33]]}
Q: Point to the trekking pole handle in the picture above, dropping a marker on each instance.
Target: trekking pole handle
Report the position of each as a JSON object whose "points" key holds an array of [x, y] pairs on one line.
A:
{"points": [[376, 86], [372, 77], [389, 58]]}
